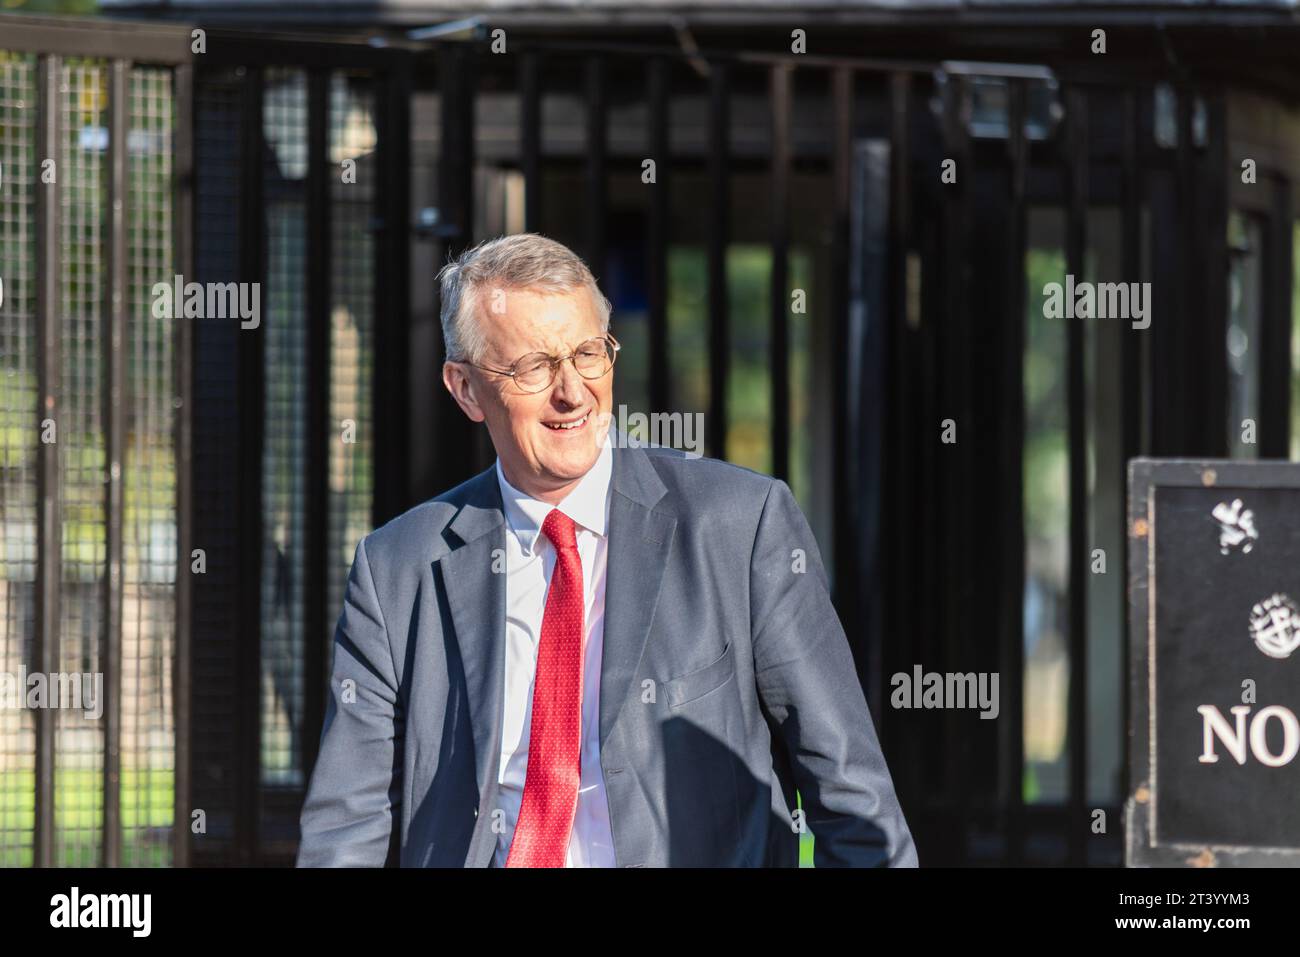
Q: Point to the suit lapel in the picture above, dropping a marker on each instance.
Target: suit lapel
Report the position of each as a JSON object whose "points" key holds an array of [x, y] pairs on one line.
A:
{"points": [[639, 541], [476, 599]]}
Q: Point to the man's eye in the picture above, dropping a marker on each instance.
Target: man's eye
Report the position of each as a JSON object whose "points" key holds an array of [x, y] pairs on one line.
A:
{"points": [[532, 364]]}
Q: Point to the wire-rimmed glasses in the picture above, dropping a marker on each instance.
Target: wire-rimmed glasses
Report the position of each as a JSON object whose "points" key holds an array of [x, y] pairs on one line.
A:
{"points": [[536, 370]]}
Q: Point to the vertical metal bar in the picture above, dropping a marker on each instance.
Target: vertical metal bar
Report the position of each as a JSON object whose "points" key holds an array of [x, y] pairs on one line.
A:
{"points": [[456, 89], [866, 340], [718, 237], [252, 387], [530, 139], [1168, 334], [1011, 482], [779, 79], [457, 144], [1206, 265], [1131, 255], [390, 384], [1211, 269], [1134, 411], [596, 169], [897, 580], [1275, 372], [115, 396], [952, 541], [846, 489], [1188, 359], [657, 238], [1075, 245], [929, 501], [49, 268], [316, 485], [182, 669]]}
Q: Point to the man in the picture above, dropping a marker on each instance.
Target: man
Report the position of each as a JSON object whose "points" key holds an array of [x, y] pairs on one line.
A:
{"points": [[590, 654]]}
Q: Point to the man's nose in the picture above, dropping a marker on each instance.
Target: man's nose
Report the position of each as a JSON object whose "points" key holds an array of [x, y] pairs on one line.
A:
{"points": [[568, 384]]}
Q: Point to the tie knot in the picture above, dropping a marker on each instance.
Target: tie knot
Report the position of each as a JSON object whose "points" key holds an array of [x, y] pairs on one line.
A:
{"points": [[559, 528]]}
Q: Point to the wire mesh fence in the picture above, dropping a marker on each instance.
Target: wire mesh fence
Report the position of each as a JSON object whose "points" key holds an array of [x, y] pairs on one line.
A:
{"points": [[76, 308]]}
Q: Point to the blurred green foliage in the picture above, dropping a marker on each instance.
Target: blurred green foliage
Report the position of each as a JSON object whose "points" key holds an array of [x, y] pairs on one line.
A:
{"points": [[147, 800], [1046, 455], [71, 7], [749, 383]]}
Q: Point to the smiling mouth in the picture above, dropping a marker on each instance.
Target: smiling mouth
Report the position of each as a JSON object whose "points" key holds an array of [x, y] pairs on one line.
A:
{"points": [[569, 426]]}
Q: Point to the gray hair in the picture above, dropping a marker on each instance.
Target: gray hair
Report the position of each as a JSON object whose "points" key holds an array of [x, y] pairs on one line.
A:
{"points": [[521, 261]]}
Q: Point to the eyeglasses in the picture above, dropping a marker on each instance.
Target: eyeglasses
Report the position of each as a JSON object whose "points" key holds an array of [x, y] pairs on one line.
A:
{"points": [[536, 371]]}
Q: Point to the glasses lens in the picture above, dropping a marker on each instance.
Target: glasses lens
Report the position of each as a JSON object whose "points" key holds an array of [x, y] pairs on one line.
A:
{"points": [[533, 372], [593, 358]]}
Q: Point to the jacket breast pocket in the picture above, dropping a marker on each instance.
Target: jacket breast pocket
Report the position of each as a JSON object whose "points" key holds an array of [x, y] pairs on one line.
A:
{"points": [[696, 684]]}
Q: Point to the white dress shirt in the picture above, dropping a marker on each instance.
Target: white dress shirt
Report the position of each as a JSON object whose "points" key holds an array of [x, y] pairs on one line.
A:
{"points": [[530, 559]]}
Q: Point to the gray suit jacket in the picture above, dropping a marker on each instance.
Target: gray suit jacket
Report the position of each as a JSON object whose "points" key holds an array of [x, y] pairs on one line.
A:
{"points": [[726, 683]]}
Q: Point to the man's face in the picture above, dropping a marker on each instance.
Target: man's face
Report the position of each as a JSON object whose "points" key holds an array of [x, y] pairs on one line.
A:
{"points": [[537, 456]]}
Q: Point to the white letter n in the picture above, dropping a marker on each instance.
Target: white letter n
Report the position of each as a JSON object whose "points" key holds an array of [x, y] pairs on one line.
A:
{"points": [[1213, 723]]}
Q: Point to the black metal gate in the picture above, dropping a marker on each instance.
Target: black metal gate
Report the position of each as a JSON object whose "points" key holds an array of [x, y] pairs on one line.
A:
{"points": [[299, 429], [94, 210]]}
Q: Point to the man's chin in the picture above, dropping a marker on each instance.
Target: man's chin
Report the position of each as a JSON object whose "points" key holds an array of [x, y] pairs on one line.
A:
{"points": [[569, 468]]}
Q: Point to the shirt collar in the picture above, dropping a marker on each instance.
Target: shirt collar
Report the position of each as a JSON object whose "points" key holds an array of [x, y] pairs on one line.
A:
{"points": [[587, 504]]}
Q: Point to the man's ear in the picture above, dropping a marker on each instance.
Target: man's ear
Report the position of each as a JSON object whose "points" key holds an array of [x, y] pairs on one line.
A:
{"points": [[455, 377]]}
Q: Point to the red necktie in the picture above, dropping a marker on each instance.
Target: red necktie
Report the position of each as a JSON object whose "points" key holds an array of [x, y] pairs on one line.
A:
{"points": [[554, 770]]}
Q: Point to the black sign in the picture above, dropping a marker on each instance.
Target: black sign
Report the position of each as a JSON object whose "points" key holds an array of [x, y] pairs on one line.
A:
{"points": [[1214, 639]]}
